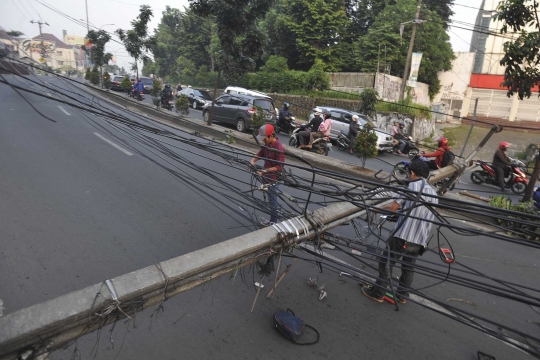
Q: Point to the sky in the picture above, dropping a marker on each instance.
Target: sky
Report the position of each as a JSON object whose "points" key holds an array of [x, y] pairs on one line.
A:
{"points": [[17, 14]]}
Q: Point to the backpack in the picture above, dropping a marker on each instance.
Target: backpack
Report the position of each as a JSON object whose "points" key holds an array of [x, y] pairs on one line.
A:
{"points": [[448, 158]]}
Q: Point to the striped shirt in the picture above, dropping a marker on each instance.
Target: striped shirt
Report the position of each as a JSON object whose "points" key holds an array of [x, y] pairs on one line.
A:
{"points": [[417, 227]]}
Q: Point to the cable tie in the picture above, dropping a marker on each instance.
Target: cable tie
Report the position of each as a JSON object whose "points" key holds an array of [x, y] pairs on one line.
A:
{"points": [[295, 229], [284, 223]]}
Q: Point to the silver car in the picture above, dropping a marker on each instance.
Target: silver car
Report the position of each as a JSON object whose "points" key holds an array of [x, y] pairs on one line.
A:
{"points": [[341, 118]]}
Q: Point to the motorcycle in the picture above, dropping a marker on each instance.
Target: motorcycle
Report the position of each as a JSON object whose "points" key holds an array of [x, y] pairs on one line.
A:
{"points": [[136, 95], [287, 126], [402, 170], [409, 146], [517, 180], [320, 145], [167, 103], [343, 142]]}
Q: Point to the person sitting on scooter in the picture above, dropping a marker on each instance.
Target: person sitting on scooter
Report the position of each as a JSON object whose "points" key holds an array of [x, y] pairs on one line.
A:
{"points": [[311, 126], [501, 164], [166, 95], [284, 116], [354, 127], [323, 131], [398, 132], [438, 154], [138, 89]]}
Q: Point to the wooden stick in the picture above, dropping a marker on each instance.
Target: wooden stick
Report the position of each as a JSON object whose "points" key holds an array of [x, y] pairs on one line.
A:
{"points": [[258, 291], [279, 280], [277, 271]]}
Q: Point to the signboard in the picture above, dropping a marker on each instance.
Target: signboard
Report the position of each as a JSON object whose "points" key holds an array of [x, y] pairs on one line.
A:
{"points": [[74, 40], [35, 46], [42, 60], [415, 67], [88, 44]]}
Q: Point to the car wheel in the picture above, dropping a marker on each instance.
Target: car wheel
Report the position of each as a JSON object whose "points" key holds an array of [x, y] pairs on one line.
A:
{"points": [[476, 177], [519, 187], [194, 104], [240, 125], [292, 142], [206, 115]]}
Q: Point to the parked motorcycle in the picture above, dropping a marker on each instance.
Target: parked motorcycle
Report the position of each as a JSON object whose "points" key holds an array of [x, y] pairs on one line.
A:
{"points": [[320, 145], [287, 126], [517, 180], [402, 170]]}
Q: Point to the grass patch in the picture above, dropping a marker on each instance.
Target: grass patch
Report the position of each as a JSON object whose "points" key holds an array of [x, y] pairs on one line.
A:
{"points": [[405, 107]]}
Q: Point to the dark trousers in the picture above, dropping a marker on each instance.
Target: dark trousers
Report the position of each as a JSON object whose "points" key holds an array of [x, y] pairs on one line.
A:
{"points": [[303, 137], [432, 165], [399, 249], [501, 172]]}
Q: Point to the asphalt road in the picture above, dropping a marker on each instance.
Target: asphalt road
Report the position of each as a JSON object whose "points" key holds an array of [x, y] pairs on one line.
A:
{"points": [[77, 208]]}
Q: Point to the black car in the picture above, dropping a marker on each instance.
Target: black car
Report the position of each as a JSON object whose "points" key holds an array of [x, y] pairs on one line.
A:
{"points": [[116, 83], [238, 109], [148, 84], [197, 98]]}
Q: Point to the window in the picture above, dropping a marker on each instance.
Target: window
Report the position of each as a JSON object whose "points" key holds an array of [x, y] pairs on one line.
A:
{"points": [[264, 104], [223, 100], [235, 101], [336, 116], [60, 63], [59, 53]]}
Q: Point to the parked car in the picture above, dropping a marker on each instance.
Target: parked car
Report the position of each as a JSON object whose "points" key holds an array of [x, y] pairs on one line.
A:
{"points": [[148, 84], [237, 109], [197, 98], [116, 83], [341, 120]]}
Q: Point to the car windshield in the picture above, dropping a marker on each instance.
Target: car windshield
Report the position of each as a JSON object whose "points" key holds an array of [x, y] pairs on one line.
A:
{"points": [[147, 81], [203, 94], [118, 78], [266, 104]]}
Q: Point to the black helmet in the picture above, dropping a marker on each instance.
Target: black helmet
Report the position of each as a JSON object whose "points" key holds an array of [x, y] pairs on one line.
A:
{"points": [[286, 104], [167, 86], [401, 125]]}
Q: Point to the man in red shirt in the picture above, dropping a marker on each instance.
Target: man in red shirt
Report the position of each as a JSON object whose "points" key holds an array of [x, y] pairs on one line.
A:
{"points": [[274, 157], [438, 154]]}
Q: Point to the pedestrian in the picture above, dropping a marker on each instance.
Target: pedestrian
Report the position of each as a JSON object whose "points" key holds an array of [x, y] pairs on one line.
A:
{"points": [[354, 127], [273, 166], [437, 154], [501, 164], [411, 235]]}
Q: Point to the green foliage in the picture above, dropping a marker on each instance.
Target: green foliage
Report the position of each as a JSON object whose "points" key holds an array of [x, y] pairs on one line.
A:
{"points": [[528, 232], [137, 41], [365, 146], [369, 101], [157, 88], [522, 55], [126, 84], [182, 104], [14, 33], [94, 76], [240, 37], [106, 80], [405, 107], [87, 74], [186, 67], [257, 119], [316, 78], [431, 40]]}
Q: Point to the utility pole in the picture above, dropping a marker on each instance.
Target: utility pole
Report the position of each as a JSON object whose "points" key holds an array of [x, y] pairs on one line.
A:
{"points": [[409, 53], [42, 46], [378, 66], [88, 60]]}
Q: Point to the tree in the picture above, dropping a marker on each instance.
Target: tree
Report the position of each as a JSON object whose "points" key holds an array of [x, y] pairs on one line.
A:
{"points": [[320, 27], [14, 33], [126, 84], [431, 40], [186, 68], [240, 37], [137, 41], [365, 146], [149, 68], [522, 55], [68, 70], [106, 80], [94, 76], [97, 54], [316, 78], [369, 99], [87, 74]]}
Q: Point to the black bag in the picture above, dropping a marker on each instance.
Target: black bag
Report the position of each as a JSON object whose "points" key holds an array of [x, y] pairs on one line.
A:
{"points": [[291, 326], [448, 158]]}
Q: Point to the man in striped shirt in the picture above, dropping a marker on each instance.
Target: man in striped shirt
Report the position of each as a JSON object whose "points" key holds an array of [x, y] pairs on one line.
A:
{"points": [[411, 234]]}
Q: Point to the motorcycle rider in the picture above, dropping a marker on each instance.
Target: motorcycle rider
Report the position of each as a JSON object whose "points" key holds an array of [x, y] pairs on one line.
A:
{"points": [[284, 116], [438, 154], [354, 127], [166, 95], [501, 164], [313, 125], [323, 131], [398, 132], [138, 89]]}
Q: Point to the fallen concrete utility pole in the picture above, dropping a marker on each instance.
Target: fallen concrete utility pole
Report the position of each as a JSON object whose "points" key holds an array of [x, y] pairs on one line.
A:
{"points": [[44, 327]]}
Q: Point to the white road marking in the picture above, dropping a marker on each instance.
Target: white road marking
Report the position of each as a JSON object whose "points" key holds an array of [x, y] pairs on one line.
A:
{"points": [[65, 112], [113, 144], [1, 308]]}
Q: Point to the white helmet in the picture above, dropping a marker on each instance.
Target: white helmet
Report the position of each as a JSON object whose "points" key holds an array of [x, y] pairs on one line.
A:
{"points": [[317, 111]]}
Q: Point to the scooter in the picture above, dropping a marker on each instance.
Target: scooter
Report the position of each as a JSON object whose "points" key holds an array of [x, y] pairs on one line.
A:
{"points": [[320, 145], [167, 103], [517, 180], [286, 126], [409, 146], [136, 95]]}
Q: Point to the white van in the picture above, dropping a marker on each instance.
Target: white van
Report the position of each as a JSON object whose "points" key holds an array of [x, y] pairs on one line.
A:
{"points": [[241, 91]]}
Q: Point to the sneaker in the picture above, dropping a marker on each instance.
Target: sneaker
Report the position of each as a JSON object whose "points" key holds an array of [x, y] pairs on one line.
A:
{"points": [[400, 299], [370, 293]]}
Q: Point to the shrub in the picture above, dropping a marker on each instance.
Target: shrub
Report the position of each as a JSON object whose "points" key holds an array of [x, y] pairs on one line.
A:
{"points": [[257, 120], [126, 84], [106, 80], [87, 74], [366, 144], [94, 76], [182, 104], [528, 232]]}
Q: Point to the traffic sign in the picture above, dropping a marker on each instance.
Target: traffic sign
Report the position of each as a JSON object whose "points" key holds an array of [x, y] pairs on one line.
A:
{"points": [[42, 60]]}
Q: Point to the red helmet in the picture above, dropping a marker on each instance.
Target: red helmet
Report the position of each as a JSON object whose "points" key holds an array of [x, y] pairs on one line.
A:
{"points": [[503, 145], [443, 141]]}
